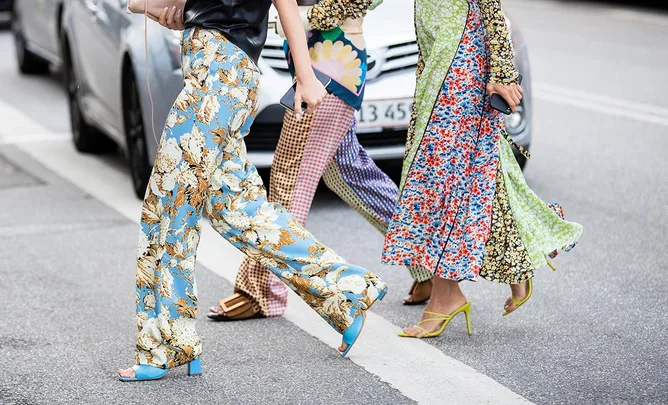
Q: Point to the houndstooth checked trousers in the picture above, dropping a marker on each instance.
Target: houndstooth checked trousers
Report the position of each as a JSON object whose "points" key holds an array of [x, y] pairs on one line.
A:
{"points": [[321, 145]]}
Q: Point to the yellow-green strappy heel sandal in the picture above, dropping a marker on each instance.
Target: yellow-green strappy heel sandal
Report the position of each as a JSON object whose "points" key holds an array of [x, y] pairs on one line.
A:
{"points": [[518, 303], [446, 318]]}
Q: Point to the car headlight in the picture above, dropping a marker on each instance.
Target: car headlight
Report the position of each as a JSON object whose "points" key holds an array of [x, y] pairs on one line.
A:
{"points": [[516, 122]]}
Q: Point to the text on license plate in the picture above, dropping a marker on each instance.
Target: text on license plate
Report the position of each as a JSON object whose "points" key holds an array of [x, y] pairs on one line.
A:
{"points": [[384, 113]]}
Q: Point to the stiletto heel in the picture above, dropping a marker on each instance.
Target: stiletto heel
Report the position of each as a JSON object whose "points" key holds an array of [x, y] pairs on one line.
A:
{"points": [[467, 314], [351, 334], [518, 303], [446, 318], [146, 373], [195, 367]]}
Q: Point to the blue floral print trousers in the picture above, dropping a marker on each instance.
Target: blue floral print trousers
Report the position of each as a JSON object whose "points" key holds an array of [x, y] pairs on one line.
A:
{"points": [[201, 165]]}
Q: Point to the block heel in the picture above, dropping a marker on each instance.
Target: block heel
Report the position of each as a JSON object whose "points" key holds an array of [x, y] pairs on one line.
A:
{"points": [[195, 367]]}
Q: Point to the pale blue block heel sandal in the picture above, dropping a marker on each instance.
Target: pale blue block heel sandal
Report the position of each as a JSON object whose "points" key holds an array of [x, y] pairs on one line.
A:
{"points": [[147, 373], [351, 334], [195, 367]]}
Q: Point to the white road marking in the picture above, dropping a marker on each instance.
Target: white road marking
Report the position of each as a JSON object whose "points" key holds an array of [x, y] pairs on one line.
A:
{"points": [[379, 350], [31, 138], [600, 103], [18, 128]]}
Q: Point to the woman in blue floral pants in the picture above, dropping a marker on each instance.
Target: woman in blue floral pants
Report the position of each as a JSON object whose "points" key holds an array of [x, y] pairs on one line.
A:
{"points": [[201, 165]]}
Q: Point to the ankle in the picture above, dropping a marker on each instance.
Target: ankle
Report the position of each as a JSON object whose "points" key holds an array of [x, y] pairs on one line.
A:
{"points": [[447, 291]]}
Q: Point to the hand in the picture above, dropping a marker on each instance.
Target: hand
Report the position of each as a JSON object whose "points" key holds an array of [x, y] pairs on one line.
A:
{"points": [[311, 92], [170, 18], [511, 93]]}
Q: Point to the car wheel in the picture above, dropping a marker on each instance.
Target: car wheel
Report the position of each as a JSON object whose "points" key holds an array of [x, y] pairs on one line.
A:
{"points": [[28, 62], [86, 138], [135, 134]]}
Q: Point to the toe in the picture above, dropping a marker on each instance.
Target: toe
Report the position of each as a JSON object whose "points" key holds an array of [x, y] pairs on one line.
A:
{"points": [[217, 310], [126, 373], [412, 331], [509, 306]]}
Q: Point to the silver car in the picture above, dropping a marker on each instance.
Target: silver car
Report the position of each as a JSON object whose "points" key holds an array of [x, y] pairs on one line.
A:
{"points": [[104, 62], [36, 28]]}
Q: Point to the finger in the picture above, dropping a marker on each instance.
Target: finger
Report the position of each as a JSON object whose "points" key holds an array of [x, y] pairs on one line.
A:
{"points": [[520, 88], [298, 106], [311, 107], [509, 96], [171, 20], [512, 102], [179, 18], [163, 16]]}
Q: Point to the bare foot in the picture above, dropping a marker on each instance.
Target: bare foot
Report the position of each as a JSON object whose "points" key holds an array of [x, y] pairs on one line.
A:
{"points": [[344, 345], [126, 373], [446, 298], [421, 292], [519, 291]]}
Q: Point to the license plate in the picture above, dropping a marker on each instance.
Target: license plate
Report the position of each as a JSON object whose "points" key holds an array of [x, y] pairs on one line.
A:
{"points": [[384, 113]]}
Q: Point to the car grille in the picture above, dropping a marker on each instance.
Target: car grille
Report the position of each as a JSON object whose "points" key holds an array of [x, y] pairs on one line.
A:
{"points": [[275, 57], [394, 58], [264, 138], [379, 62]]}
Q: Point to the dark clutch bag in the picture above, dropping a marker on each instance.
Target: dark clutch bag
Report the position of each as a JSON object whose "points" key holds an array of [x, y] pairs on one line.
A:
{"points": [[288, 100]]}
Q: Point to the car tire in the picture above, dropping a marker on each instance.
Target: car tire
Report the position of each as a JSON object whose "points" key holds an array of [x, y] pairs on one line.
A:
{"points": [[86, 138], [135, 135], [28, 62]]}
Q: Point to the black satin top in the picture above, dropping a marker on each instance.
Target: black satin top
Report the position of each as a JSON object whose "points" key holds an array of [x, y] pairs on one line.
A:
{"points": [[242, 22]]}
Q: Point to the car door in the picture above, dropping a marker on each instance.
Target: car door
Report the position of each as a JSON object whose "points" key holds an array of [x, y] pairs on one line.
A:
{"points": [[39, 24], [111, 24], [99, 24]]}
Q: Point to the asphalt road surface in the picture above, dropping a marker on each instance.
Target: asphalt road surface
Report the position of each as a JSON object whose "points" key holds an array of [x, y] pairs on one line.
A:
{"points": [[595, 331]]}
